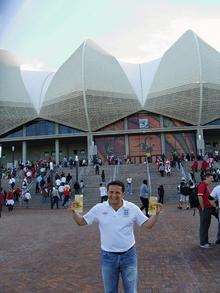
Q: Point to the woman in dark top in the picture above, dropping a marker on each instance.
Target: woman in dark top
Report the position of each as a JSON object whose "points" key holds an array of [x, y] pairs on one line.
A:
{"points": [[160, 191]]}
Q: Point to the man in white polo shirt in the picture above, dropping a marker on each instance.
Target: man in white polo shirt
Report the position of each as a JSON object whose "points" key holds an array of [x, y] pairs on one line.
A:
{"points": [[216, 195], [116, 218]]}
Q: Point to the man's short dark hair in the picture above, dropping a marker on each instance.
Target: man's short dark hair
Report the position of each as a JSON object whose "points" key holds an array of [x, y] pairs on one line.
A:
{"points": [[117, 183], [207, 175], [145, 181]]}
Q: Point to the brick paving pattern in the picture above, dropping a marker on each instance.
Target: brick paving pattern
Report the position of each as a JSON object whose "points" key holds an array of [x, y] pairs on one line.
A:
{"points": [[44, 251]]}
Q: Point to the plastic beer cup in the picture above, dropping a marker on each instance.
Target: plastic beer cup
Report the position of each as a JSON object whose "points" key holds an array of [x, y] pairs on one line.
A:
{"points": [[79, 203], [152, 205]]}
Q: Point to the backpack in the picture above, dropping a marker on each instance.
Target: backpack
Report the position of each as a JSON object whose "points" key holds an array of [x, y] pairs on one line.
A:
{"points": [[184, 189], [193, 198]]}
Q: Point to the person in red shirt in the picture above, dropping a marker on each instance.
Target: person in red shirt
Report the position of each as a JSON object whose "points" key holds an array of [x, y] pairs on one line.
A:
{"points": [[10, 200], [204, 166], [66, 194], [195, 166], [205, 209]]}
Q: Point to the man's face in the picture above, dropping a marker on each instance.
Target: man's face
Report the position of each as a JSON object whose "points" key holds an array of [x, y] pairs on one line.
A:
{"points": [[115, 195], [209, 179]]}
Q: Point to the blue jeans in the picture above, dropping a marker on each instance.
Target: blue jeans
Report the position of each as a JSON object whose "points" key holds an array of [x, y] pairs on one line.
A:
{"points": [[114, 264], [129, 188]]}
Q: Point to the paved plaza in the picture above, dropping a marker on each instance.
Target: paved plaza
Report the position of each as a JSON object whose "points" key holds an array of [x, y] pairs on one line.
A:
{"points": [[44, 251]]}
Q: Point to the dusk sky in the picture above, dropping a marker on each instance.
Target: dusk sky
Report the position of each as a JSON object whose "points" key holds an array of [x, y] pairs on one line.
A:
{"points": [[44, 33]]}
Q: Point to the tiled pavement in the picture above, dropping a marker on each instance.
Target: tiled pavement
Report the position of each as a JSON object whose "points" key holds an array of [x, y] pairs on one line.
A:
{"points": [[44, 251]]}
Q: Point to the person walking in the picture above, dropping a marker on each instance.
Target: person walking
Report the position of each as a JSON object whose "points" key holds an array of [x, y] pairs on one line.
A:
{"points": [[96, 169], [27, 197], [162, 169], [144, 197], [10, 200], [76, 187], [55, 198], [205, 210], [129, 186], [103, 192], [82, 186], [160, 192], [66, 195], [103, 176], [116, 218], [216, 195]]}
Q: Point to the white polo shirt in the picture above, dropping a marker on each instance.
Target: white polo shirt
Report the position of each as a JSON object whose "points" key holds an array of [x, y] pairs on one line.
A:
{"points": [[216, 193], [116, 227]]}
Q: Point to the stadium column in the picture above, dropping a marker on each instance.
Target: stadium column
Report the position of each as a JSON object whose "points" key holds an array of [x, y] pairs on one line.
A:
{"points": [[91, 148], [24, 152], [162, 136], [57, 151], [200, 142], [24, 146], [126, 138]]}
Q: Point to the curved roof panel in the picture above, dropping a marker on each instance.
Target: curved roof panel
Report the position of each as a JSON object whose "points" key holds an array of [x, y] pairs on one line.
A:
{"points": [[179, 65], [90, 72], [15, 104], [141, 77], [92, 89], [37, 83], [185, 68]]}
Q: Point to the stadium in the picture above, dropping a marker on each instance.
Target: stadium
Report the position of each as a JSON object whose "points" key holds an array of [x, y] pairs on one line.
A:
{"points": [[96, 104]]}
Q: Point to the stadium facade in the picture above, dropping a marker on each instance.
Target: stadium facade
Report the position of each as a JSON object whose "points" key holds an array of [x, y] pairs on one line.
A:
{"points": [[95, 103]]}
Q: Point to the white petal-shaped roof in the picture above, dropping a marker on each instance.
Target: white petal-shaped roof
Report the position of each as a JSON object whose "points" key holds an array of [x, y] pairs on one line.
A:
{"points": [[93, 89], [141, 77], [185, 68], [179, 65], [37, 83], [16, 107], [93, 81]]}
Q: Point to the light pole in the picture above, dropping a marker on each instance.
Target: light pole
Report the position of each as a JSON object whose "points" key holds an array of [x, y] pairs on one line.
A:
{"points": [[13, 155], [77, 168]]}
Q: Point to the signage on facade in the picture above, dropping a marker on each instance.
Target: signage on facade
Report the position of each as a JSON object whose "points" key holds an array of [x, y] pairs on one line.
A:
{"points": [[143, 123]]}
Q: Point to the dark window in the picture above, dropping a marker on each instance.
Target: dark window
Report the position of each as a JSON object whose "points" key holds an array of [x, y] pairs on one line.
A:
{"points": [[215, 122], [15, 133], [67, 130], [41, 127]]}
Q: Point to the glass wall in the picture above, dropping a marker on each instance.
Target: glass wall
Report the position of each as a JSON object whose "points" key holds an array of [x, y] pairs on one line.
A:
{"points": [[15, 133], [67, 130], [40, 127]]}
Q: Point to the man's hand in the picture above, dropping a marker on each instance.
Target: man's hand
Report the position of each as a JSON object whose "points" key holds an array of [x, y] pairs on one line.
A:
{"points": [[153, 219], [159, 208], [72, 207], [77, 217]]}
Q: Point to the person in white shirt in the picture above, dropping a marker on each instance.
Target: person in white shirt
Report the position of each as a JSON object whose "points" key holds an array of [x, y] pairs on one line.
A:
{"points": [[58, 182], [51, 165], [116, 218], [61, 189], [216, 195], [103, 193], [12, 182], [63, 179], [27, 197], [129, 186]]}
